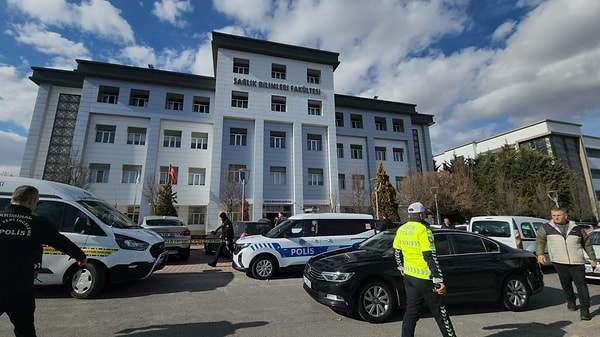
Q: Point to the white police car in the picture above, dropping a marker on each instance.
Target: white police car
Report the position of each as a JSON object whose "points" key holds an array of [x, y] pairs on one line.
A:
{"points": [[290, 244]]}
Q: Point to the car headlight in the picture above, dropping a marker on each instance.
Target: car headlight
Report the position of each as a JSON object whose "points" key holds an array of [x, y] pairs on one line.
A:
{"points": [[240, 246], [126, 242], [336, 276]]}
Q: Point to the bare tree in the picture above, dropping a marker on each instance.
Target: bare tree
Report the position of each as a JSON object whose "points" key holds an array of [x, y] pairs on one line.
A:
{"points": [[580, 209], [151, 193], [230, 194], [359, 195], [72, 171]]}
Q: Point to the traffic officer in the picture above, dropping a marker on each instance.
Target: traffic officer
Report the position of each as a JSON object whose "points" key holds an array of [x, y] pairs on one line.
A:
{"points": [[22, 236], [423, 279]]}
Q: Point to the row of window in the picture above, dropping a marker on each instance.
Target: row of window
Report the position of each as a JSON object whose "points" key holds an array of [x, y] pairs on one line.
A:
{"points": [[140, 98], [239, 99], [356, 122], [99, 173], [137, 136], [278, 71]]}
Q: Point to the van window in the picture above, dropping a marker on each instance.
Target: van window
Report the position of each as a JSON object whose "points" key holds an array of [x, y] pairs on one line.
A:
{"points": [[63, 216], [301, 228], [330, 227], [528, 230], [492, 228]]}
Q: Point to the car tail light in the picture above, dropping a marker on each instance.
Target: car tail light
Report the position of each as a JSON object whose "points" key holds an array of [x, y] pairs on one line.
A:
{"points": [[518, 239], [244, 234], [185, 232]]}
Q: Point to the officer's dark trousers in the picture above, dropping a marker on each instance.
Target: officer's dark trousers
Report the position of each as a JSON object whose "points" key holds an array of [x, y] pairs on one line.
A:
{"points": [[222, 247], [417, 292], [20, 311], [569, 274]]}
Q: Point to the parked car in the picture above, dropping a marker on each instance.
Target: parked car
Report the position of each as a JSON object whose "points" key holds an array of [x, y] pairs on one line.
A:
{"points": [[364, 279], [176, 234], [587, 226], [593, 274], [240, 229]]}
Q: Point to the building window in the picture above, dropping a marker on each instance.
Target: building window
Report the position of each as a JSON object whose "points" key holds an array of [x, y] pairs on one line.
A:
{"points": [[277, 140], [313, 76], [278, 174], [278, 103], [237, 172], [398, 181], [172, 138], [417, 147], [342, 181], [174, 102], [201, 104], [339, 119], [397, 125], [139, 97], [108, 95], [199, 140], [105, 133], [340, 150], [380, 124], [314, 108], [196, 176], [380, 153], [136, 136], [164, 175], [595, 174], [99, 173], [197, 215], [237, 136], [592, 153], [241, 66], [131, 174], [315, 177], [356, 151], [356, 121], [314, 143], [239, 99], [358, 181], [398, 154], [278, 71]]}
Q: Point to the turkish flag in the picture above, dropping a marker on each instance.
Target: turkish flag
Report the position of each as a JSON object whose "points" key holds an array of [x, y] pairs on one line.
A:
{"points": [[172, 174]]}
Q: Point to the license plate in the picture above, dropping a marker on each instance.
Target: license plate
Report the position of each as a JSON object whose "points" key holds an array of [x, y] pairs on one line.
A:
{"points": [[307, 281], [167, 235]]}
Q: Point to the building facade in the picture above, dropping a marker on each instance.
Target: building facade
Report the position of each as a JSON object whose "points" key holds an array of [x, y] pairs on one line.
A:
{"points": [[562, 140], [267, 128]]}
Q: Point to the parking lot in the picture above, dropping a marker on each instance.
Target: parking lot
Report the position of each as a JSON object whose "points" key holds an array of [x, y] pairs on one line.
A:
{"points": [[192, 299]]}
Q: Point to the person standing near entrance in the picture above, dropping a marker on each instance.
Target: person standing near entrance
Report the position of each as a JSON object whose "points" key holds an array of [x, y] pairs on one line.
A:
{"points": [[423, 280], [566, 243], [226, 238]]}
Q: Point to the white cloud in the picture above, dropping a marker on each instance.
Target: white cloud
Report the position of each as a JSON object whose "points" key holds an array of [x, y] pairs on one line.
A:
{"points": [[47, 42], [17, 96], [140, 56], [504, 30], [171, 11], [11, 153]]}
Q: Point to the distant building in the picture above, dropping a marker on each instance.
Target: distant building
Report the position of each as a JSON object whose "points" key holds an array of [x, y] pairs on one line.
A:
{"points": [[562, 140], [268, 123]]}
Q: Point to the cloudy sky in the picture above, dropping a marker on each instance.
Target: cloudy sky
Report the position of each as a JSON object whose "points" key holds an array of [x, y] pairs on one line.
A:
{"points": [[481, 67]]}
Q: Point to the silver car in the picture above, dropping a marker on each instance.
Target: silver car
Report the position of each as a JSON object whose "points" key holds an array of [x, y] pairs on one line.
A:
{"points": [[593, 273], [176, 234]]}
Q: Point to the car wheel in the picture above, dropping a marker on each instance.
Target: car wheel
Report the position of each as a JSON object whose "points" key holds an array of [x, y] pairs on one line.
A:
{"points": [[185, 255], [208, 250], [376, 302], [515, 293], [263, 267], [86, 282]]}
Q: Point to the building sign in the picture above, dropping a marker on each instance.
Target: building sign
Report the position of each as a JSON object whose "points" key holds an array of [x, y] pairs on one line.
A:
{"points": [[277, 86]]}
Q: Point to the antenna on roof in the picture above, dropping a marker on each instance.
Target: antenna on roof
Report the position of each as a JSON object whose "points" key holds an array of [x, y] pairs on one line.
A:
{"points": [[150, 66], [375, 97]]}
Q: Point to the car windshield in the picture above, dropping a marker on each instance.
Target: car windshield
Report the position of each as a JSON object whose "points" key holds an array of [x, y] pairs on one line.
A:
{"points": [[380, 242], [277, 229], [595, 237], [108, 214]]}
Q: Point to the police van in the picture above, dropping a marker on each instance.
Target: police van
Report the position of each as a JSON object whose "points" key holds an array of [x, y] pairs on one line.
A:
{"points": [[117, 249], [290, 244]]}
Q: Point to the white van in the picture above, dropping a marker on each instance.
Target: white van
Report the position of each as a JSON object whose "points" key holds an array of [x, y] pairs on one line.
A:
{"points": [[117, 249], [515, 231], [291, 243]]}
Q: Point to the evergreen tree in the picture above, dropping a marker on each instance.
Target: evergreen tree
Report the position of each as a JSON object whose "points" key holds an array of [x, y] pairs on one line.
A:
{"points": [[166, 199], [387, 198]]}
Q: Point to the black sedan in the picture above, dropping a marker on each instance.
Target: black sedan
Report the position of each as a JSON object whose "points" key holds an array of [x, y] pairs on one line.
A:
{"points": [[365, 279]]}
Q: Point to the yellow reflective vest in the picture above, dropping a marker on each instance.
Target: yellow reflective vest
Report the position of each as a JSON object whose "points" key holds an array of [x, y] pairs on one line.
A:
{"points": [[413, 238]]}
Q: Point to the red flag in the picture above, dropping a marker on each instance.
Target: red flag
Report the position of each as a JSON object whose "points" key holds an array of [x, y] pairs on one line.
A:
{"points": [[172, 174]]}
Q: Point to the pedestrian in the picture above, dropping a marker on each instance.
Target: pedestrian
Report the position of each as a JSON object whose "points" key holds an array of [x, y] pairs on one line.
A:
{"points": [[22, 236], [448, 224], [226, 238], [280, 218], [386, 224], [423, 280], [566, 243]]}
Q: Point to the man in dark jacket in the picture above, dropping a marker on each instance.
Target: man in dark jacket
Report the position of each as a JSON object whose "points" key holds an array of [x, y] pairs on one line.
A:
{"points": [[226, 238], [566, 243], [22, 236]]}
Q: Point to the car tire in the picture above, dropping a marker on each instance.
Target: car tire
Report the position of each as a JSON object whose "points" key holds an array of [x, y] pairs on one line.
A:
{"points": [[208, 250], [184, 255], [263, 267], [376, 302], [515, 293], [86, 282]]}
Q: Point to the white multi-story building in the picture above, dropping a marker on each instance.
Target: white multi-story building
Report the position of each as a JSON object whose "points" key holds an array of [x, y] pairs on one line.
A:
{"points": [[562, 140], [268, 122]]}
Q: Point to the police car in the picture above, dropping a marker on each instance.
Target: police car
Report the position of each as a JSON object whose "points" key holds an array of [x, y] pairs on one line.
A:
{"points": [[293, 242]]}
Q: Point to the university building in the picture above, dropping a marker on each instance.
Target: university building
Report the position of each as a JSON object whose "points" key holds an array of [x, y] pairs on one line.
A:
{"points": [[267, 128], [562, 140]]}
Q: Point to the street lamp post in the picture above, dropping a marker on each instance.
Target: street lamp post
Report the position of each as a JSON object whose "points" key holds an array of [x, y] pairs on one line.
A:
{"points": [[376, 197], [437, 212], [243, 181]]}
